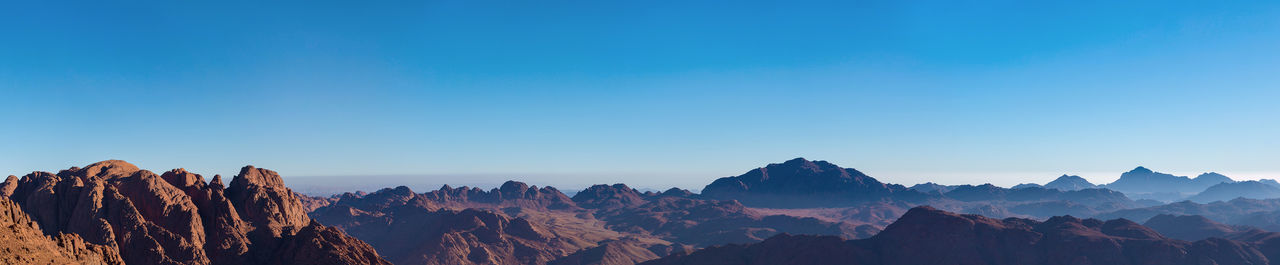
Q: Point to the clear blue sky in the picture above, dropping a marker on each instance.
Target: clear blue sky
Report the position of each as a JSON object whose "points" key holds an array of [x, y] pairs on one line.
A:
{"points": [[654, 93]]}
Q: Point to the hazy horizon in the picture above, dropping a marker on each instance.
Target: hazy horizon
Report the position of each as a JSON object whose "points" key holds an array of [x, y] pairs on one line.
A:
{"points": [[646, 93], [572, 182]]}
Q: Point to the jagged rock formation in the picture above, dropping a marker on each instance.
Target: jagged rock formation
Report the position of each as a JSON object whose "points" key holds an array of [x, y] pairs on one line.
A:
{"points": [[928, 236], [24, 243], [439, 227], [176, 218], [1230, 190], [609, 197], [311, 203], [407, 232], [510, 194]]}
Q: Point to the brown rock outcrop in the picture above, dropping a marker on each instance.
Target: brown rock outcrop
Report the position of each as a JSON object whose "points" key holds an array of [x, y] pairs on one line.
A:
{"points": [[261, 198], [6, 188], [407, 233], [24, 243], [176, 218]]}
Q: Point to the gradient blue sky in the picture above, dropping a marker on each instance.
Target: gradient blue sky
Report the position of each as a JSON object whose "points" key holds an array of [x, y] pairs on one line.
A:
{"points": [[652, 93]]}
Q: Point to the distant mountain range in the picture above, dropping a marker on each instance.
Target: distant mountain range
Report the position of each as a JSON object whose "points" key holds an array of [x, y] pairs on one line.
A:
{"points": [[929, 236], [1145, 183]]}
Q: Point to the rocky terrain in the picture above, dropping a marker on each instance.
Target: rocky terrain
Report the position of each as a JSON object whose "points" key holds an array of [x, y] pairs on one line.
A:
{"points": [[25, 243], [795, 212], [519, 224], [929, 236], [178, 218]]}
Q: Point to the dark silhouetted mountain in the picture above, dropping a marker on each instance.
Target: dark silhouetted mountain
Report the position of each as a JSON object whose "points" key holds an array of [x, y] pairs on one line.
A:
{"points": [[932, 187], [1142, 180], [1070, 183], [176, 218], [1026, 185], [1230, 190], [800, 183], [928, 236]]}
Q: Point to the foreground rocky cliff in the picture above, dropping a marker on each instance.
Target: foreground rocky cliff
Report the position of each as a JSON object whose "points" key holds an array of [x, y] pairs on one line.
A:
{"points": [[178, 218], [24, 243]]}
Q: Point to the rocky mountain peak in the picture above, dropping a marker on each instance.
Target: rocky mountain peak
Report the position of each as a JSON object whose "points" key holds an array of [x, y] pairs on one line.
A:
{"points": [[261, 177], [608, 196], [106, 169], [261, 198], [1140, 170], [1069, 183], [1212, 178], [799, 182], [182, 179]]}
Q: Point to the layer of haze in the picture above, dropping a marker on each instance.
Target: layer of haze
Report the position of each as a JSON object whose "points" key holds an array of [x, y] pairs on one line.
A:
{"points": [[650, 93]]}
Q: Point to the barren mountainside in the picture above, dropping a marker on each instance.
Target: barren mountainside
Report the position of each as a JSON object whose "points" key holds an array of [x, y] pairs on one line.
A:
{"points": [[178, 218]]}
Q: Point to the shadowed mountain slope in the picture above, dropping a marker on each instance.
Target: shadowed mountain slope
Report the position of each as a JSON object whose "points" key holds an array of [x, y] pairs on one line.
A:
{"points": [[1230, 190], [1189, 227], [928, 236]]}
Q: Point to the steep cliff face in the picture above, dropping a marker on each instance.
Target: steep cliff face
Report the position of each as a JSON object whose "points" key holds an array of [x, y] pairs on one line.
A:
{"points": [[24, 243], [176, 218]]}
